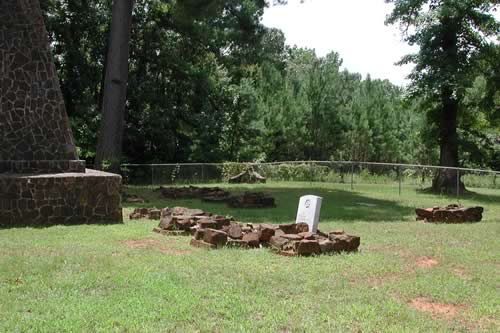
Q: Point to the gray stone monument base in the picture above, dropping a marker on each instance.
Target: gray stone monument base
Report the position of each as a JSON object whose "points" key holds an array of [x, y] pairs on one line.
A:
{"points": [[41, 200]]}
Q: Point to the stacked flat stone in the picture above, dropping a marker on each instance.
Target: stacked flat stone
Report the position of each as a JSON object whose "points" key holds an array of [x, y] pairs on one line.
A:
{"points": [[145, 213], [251, 200], [185, 221], [451, 214], [287, 239], [193, 192], [216, 194]]}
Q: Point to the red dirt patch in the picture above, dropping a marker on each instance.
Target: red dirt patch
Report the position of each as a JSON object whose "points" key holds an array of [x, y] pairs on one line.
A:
{"points": [[149, 243], [426, 262], [436, 310]]}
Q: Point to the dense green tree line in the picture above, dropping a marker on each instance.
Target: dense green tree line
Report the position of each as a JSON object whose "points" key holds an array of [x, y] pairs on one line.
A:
{"points": [[208, 82]]}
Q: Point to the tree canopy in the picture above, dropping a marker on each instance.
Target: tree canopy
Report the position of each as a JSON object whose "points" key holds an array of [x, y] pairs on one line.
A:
{"points": [[208, 82], [453, 40]]}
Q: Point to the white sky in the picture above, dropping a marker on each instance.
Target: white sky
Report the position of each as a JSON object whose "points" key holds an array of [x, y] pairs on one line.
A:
{"points": [[353, 28]]}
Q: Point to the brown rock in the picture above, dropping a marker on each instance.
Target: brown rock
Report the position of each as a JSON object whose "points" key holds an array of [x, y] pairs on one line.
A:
{"points": [[321, 234], [326, 246], [279, 232], [294, 228], [222, 221], [175, 232], [216, 237], [178, 210], [235, 231], [291, 245], [207, 224], [166, 222], [166, 212], [345, 242], [301, 227], [237, 243], [450, 214], [288, 228], [308, 247], [182, 224], [269, 226], [266, 233], [202, 244], [154, 214], [246, 229], [199, 234], [278, 242], [252, 239], [193, 229], [139, 213], [423, 214], [251, 200], [295, 237], [195, 212], [307, 235]]}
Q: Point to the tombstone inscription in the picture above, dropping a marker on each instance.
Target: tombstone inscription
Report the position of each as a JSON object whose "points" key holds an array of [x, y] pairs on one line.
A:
{"points": [[308, 211]]}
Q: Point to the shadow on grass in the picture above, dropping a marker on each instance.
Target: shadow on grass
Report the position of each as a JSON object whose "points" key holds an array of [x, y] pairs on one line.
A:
{"points": [[471, 195], [337, 205]]}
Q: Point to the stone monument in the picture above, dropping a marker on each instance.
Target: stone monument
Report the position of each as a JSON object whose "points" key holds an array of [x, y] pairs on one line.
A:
{"points": [[42, 182], [308, 211]]}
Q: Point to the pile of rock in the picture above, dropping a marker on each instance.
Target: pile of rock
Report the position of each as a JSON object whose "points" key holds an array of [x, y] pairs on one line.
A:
{"points": [[185, 221], [193, 192], [452, 214], [298, 242], [216, 194], [132, 198], [251, 200], [248, 176], [145, 213], [288, 239]]}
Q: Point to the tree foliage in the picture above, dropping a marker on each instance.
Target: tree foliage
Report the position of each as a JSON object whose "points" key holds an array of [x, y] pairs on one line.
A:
{"points": [[452, 36], [208, 82]]}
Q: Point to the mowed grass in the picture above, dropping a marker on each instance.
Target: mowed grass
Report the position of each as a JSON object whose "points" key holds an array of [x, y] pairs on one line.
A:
{"points": [[407, 277]]}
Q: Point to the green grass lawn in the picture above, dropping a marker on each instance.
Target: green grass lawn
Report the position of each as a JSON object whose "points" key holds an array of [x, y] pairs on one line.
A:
{"points": [[407, 277]]}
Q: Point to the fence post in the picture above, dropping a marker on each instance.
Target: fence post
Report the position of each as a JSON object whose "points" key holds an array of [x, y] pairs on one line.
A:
{"points": [[399, 179], [458, 185], [352, 176]]}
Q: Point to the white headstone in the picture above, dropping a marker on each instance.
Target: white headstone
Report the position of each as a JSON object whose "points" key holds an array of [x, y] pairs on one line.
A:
{"points": [[308, 211]]}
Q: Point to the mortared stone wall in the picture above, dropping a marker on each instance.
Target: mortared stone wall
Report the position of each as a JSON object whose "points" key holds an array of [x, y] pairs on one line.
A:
{"points": [[33, 120]]}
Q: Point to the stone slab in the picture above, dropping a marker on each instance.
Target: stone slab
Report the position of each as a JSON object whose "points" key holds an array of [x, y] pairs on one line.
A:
{"points": [[61, 198], [309, 210], [41, 167]]}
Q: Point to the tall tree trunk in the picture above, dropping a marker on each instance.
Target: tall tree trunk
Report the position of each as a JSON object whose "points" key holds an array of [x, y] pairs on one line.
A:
{"points": [[109, 146], [446, 179]]}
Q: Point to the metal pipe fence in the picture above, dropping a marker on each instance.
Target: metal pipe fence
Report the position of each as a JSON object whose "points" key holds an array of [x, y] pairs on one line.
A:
{"points": [[349, 173]]}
